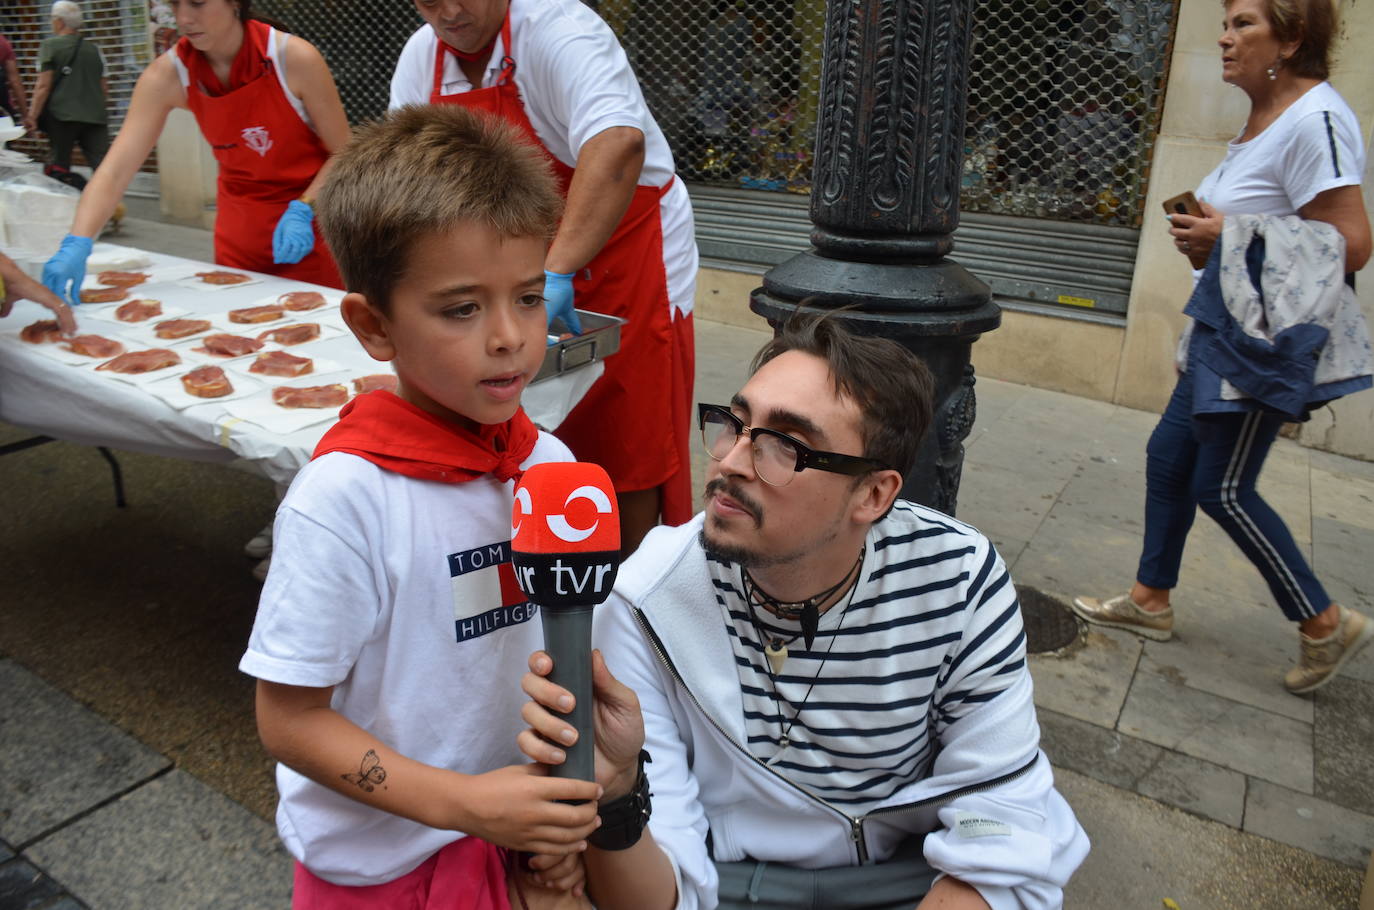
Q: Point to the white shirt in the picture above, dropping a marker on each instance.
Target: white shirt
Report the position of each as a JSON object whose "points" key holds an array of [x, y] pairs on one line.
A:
{"points": [[574, 79], [575, 82], [1312, 147], [399, 593]]}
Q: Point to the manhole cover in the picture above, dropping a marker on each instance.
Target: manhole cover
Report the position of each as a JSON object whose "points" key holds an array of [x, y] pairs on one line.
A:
{"points": [[1050, 624]]}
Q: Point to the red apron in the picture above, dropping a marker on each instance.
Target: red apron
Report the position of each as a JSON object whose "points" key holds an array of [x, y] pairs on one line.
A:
{"points": [[267, 157], [648, 383]]}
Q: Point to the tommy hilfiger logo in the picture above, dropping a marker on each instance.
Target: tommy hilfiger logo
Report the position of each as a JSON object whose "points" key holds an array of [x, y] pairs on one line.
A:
{"points": [[485, 595], [257, 139]]}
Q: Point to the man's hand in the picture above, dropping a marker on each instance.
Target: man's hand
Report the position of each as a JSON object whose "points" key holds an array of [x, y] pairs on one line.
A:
{"points": [[559, 873], [1194, 237], [619, 725], [558, 301], [522, 808]]}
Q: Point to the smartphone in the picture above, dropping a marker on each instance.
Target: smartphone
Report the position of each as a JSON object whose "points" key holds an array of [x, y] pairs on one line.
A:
{"points": [[1184, 203]]}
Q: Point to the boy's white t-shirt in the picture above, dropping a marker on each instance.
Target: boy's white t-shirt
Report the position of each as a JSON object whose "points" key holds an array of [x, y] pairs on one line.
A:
{"points": [[399, 593], [1312, 147]]}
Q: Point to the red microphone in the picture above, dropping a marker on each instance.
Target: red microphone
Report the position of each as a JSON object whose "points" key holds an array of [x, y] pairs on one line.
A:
{"points": [[565, 549]]}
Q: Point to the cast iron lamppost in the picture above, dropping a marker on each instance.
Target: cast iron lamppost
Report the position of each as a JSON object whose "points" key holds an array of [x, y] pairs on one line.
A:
{"points": [[885, 201]]}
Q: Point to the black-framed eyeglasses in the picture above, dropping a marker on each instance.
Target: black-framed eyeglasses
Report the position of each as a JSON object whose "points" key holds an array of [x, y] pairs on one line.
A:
{"points": [[777, 457]]}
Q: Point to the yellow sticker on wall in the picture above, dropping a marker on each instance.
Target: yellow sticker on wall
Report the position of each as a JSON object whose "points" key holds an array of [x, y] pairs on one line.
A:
{"points": [[1077, 301]]}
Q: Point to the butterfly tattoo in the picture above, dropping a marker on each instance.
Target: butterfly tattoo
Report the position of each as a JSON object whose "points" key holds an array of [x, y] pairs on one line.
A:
{"points": [[370, 772]]}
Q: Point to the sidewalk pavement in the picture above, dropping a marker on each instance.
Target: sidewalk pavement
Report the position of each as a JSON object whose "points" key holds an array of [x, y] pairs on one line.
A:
{"points": [[1197, 776]]}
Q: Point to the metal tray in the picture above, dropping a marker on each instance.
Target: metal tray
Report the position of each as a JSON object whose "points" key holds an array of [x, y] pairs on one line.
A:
{"points": [[600, 339]]}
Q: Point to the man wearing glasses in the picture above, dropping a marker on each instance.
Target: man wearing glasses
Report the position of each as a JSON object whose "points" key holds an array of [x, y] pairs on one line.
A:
{"points": [[831, 684]]}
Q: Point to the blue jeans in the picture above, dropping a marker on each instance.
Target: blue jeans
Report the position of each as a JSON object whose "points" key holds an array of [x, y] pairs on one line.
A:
{"points": [[1213, 461]]}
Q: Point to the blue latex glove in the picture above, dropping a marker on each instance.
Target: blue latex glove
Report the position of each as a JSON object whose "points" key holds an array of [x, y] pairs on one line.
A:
{"points": [[294, 236], [64, 272], [558, 300]]}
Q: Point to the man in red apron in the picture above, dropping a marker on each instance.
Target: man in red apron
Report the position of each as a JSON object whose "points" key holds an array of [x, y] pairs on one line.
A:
{"points": [[626, 244]]}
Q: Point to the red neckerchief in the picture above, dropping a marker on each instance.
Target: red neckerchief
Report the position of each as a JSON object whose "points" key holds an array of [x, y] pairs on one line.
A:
{"points": [[397, 436], [249, 63]]}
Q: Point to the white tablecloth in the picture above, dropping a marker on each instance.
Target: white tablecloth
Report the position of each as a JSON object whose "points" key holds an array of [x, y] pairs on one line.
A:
{"points": [[78, 404]]}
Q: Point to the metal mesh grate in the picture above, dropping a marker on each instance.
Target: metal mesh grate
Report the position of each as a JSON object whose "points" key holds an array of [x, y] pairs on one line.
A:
{"points": [[1064, 103], [118, 27], [360, 40], [1064, 95]]}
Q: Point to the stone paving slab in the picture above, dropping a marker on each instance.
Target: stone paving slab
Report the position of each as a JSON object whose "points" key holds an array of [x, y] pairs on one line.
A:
{"points": [[1100, 753], [1178, 780], [60, 759], [1091, 683], [171, 844], [1002, 502], [1239, 651], [1196, 786], [1343, 744], [1309, 823], [1236, 736], [1143, 852]]}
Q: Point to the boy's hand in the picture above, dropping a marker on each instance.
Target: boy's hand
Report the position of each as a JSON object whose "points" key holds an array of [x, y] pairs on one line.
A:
{"points": [[561, 873], [522, 808], [619, 725]]}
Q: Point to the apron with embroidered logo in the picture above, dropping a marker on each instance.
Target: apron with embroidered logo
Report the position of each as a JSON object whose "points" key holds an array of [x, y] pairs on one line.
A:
{"points": [[267, 157], [634, 421]]}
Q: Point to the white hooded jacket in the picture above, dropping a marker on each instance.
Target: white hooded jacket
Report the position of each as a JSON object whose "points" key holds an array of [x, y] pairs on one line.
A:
{"points": [[989, 805]]}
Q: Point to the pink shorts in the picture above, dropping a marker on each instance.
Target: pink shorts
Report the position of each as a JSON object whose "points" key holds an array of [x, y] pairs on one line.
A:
{"points": [[468, 874]]}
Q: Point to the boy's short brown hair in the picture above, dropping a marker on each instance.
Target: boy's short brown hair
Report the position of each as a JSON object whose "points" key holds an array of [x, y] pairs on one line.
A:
{"points": [[425, 169]]}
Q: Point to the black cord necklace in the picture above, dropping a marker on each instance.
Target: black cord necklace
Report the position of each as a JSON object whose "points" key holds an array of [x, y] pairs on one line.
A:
{"points": [[807, 611], [776, 650]]}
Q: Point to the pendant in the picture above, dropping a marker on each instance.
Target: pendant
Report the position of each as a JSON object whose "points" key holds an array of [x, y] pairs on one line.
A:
{"points": [[776, 652], [783, 743]]}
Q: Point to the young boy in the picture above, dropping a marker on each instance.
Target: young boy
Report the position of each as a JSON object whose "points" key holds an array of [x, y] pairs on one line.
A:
{"points": [[391, 635]]}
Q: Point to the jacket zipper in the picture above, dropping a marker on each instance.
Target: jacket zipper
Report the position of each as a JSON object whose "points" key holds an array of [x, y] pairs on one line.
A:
{"points": [[856, 831]]}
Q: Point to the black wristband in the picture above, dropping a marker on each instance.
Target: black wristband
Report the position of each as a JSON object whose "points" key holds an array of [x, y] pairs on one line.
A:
{"points": [[623, 819]]}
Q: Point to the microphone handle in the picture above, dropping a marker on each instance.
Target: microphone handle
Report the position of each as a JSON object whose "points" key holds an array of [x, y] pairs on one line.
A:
{"points": [[568, 640]]}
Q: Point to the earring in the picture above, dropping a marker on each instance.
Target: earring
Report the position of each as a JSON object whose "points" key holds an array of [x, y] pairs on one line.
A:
{"points": [[1272, 71]]}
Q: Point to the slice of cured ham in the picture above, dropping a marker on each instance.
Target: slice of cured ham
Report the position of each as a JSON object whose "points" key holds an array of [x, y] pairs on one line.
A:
{"points": [[374, 382], [136, 362], [94, 346], [103, 295], [315, 396], [122, 279], [228, 345], [257, 313], [223, 277], [299, 333], [280, 363], [302, 300], [207, 382], [180, 328], [138, 310], [41, 332]]}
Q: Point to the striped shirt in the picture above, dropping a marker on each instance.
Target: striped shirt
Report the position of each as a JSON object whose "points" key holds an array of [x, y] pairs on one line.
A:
{"points": [[931, 629]]}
